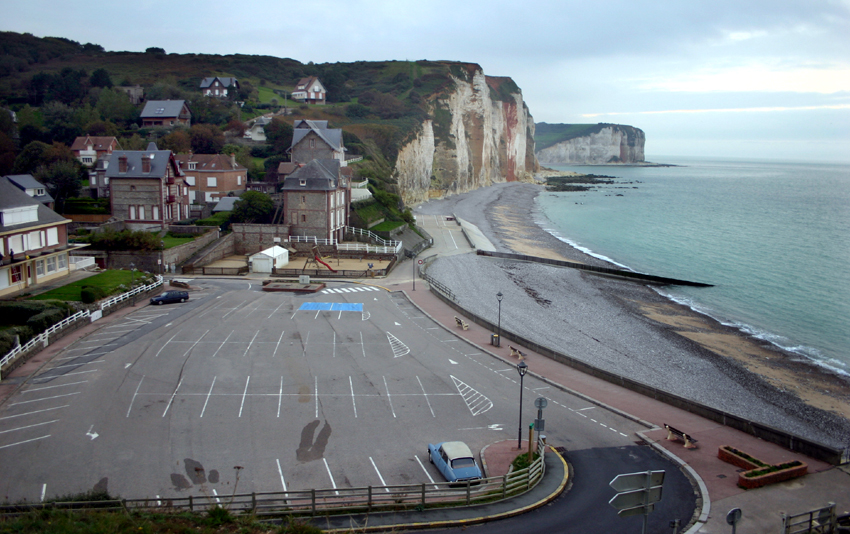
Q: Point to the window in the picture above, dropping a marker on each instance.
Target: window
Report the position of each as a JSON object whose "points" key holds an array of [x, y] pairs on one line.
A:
{"points": [[132, 212], [141, 212], [190, 180], [51, 264], [303, 199], [333, 198], [39, 192], [62, 260], [156, 213], [312, 143], [192, 166], [303, 218], [211, 181], [16, 271], [239, 180], [302, 183], [39, 267]]}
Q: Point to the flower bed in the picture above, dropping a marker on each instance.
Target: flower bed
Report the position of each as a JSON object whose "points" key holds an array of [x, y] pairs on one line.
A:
{"points": [[759, 473], [763, 476], [737, 458]]}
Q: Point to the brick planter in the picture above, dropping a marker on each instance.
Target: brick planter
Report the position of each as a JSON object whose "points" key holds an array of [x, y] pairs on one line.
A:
{"points": [[732, 456], [793, 471]]}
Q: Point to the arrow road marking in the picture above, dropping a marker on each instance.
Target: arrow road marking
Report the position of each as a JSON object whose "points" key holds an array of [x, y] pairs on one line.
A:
{"points": [[91, 434]]}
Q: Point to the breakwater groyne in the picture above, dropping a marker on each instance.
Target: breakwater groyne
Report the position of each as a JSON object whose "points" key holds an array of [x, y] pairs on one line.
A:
{"points": [[602, 270]]}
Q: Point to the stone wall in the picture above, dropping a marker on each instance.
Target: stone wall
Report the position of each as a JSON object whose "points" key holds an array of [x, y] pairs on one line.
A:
{"points": [[252, 238]]}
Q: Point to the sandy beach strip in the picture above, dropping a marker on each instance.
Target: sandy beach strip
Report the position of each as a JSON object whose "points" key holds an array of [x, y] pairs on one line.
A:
{"points": [[628, 328]]}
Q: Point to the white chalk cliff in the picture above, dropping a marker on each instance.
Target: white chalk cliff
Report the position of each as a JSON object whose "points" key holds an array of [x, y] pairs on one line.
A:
{"points": [[610, 143], [480, 133]]}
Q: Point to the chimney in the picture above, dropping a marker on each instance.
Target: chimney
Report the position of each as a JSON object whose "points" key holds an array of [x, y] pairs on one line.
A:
{"points": [[146, 164], [122, 164], [233, 160]]}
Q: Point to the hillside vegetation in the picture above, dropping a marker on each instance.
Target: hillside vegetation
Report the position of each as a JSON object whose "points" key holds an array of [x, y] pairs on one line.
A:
{"points": [[61, 89]]}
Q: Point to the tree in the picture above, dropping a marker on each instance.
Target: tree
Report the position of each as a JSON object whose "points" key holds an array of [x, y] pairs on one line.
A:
{"points": [[177, 141], [101, 129], [62, 179], [115, 106], [60, 122], [253, 207], [279, 134], [100, 78], [7, 154], [30, 158], [237, 127], [206, 139]]}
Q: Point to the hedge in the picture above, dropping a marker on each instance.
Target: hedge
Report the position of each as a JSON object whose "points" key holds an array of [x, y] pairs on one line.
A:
{"points": [[91, 294]]}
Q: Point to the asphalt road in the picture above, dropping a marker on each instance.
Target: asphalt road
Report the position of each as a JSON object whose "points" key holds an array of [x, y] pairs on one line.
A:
{"points": [[240, 390]]}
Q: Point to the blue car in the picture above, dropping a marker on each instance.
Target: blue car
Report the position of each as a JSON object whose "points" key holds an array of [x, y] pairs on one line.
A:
{"points": [[455, 461]]}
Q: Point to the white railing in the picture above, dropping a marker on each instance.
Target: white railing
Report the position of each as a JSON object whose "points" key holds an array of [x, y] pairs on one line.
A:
{"points": [[310, 239], [363, 247], [81, 262], [44, 337], [360, 185], [372, 236]]}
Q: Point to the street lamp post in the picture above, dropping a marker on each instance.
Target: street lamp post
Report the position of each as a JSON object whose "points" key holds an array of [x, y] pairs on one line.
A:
{"points": [[133, 281], [499, 333], [521, 368]]}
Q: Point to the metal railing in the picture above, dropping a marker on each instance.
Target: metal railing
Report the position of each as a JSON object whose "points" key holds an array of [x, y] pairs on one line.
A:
{"points": [[365, 247], [44, 337], [310, 239], [81, 262], [371, 235], [820, 521], [314, 502]]}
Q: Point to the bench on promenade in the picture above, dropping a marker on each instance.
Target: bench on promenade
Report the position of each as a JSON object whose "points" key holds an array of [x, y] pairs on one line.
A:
{"points": [[674, 434], [516, 353], [461, 323]]}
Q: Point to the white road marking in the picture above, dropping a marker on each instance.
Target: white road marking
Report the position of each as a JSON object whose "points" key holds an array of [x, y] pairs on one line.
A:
{"points": [[166, 344], [46, 378], [399, 349], [28, 426], [588, 408], [222, 343], [43, 491], [208, 396], [427, 474], [426, 396], [195, 343], [251, 343], [477, 402], [351, 384], [57, 386], [280, 396], [45, 398], [244, 393], [388, 397], [381, 478], [278, 343], [452, 362], [33, 413], [315, 393], [23, 442], [280, 472], [134, 396], [217, 500], [91, 434], [330, 475], [172, 397], [362, 346]]}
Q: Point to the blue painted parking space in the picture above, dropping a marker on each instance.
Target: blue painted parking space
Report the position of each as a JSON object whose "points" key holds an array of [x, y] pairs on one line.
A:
{"points": [[331, 306]]}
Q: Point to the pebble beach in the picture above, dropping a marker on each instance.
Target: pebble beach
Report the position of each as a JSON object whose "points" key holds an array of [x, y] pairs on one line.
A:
{"points": [[627, 327]]}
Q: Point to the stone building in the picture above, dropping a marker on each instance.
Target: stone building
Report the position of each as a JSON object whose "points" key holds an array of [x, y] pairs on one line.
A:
{"points": [[212, 176], [314, 140], [317, 199]]}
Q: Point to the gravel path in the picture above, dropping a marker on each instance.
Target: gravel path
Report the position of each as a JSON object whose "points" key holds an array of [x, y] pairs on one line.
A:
{"points": [[598, 320]]}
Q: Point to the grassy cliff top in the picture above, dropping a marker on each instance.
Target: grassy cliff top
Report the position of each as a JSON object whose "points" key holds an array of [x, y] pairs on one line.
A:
{"points": [[547, 135]]}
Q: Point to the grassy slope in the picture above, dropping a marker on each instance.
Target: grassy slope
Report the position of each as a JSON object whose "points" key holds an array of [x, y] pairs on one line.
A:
{"points": [[546, 135]]}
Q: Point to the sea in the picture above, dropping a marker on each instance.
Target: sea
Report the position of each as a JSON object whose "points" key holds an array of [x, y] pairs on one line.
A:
{"points": [[773, 237]]}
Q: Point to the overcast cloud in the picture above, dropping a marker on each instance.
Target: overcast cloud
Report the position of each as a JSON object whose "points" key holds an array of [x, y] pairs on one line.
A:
{"points": [[726, 78]]}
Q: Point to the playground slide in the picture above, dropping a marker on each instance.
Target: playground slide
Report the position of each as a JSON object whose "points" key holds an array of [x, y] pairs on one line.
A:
{"points": [[318, 259]]}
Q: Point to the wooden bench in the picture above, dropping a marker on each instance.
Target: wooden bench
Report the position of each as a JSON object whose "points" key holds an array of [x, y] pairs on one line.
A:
{"points": [[516, 353], [461, 323], [674, 434]]}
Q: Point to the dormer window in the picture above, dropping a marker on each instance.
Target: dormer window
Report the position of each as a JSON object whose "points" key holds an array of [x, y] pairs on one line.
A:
{"points": [[302, 182], [193, 165], [39, 192]]}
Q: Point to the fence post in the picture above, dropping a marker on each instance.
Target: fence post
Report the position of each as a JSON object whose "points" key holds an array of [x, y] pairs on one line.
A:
{"points": [[313, 499], [423, 495], [191, 504], [467, 492], [253, 501], [504, 486], [369, 500]]}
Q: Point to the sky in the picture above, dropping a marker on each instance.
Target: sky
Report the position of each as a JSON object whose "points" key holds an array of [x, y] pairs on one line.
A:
{"points": [[750, 79]]}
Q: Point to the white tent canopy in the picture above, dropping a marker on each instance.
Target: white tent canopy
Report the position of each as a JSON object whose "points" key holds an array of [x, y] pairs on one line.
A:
{"points": [[267, 260]]}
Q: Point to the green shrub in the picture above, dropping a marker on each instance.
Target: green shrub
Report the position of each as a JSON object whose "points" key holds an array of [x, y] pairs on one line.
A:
{"points": [[44, 320], [521, 461], [91, 294], [7, 337], [18, 313]]}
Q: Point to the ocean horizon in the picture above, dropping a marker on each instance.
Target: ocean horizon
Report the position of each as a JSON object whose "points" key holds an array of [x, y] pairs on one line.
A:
{"points": [[772, 236]]}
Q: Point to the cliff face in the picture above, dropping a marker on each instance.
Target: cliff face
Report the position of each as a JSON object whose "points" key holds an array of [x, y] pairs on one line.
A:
{"points": [[481, 133], [612, 143]]}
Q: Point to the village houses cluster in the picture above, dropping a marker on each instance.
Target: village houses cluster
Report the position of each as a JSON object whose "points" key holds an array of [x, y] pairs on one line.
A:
{"points": [[152, 188]]}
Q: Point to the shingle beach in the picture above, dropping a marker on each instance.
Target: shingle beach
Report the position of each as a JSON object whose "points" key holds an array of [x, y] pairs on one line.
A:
{"points": [[626, 327]]}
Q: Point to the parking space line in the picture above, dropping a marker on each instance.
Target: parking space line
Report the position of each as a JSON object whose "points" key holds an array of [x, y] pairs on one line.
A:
{"points": [[222, 343], [280, 472], [354, 404], [427, 474], [28, 426], [41, 379], [134, 396], [330, 475], [280, 397], [56, 386], [166, 344], [77, 364], [43, 491], [208, 396], [333, 351], [389, 398], [195, 343], [23, 442], [33, 413], [426, 396], [383, 483], [250, 343], [45, 398], [278, 344], [362, 346], [172, 397], [315, 392], [244, 394]]}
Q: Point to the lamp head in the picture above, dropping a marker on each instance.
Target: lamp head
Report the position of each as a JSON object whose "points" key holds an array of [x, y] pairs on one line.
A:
{"points": [[499, 296], [522, 368]]}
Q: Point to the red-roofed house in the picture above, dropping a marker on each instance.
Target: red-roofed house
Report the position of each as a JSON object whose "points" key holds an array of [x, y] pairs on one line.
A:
{"points": [[310, 91], [91, 148], [212, 176]]}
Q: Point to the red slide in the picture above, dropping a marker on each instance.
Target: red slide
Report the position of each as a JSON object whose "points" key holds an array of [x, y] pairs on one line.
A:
{"points": [[323, 263]]}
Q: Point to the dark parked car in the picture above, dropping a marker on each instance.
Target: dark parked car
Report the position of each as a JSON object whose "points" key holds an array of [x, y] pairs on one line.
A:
{"points": [[170, 296], [455, 461]]}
